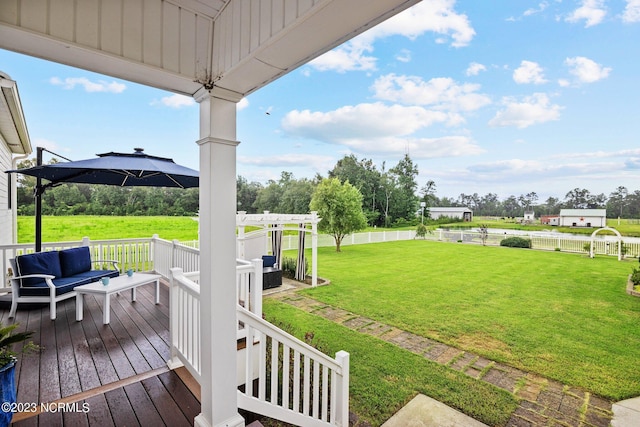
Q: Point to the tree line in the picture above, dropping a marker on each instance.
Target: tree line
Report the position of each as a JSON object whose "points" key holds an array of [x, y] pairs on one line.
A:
{"points": [[86, 199], [390, 196]]}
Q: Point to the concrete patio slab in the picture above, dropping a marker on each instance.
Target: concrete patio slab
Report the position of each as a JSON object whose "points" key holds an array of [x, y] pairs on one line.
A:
{"points": [[423, 411], [626, 413]]}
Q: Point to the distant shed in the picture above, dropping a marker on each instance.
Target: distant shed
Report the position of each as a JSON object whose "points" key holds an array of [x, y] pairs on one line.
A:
{"points": [[583, 217], [462, 213], [550, 219]]}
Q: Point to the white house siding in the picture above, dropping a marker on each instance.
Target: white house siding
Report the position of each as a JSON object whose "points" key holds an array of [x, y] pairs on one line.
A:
{"points": [[6, 216]]}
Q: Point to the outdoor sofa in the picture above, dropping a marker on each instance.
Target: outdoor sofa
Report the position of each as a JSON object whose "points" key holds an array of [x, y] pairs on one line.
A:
{"points": [[52, 276]]}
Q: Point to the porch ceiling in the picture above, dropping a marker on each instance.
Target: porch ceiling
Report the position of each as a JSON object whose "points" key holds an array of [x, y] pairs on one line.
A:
{"points": [[238, 46]]}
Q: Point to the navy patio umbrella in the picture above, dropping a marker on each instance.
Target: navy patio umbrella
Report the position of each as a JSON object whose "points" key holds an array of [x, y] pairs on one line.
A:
{"points": [[121, 169]]}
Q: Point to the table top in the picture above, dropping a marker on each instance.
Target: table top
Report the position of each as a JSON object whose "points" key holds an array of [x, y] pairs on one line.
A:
{"points": [[118, 283]]}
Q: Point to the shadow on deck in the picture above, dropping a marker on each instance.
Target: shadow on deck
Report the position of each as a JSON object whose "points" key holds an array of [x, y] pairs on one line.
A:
{"points": [[90, 374]]}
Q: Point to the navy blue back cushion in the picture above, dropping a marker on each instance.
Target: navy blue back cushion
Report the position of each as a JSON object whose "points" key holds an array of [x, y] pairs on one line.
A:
{"points": [[268, 260], [38, 263], [75, 260]]}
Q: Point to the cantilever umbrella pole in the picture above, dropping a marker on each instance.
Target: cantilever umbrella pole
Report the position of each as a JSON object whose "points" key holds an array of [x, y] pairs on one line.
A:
{"points": [[38, 203]]}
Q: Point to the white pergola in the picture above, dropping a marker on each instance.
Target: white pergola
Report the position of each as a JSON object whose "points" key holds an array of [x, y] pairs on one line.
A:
{"points": [[217, 51], [267, 221]]}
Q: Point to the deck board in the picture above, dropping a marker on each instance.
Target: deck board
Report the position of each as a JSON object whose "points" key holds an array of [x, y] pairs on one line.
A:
{"points": [[119, 370]]}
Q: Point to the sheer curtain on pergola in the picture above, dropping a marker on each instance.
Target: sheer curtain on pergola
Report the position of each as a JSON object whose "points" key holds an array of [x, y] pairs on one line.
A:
{"points": [[301, 270]]}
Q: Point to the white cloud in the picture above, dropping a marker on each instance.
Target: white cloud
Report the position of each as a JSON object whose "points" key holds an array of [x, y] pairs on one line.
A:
{"points": [[591, 11], [242, 104], [378, 129], [89, 86], [436, 16], [532, 11], [176, 101], [318, 162], [518, 169], [441, 93], [631, 11], [600, 154], [475, 68], [529, 72], [532, 110], [351, 56], [404, 56], [362, 120], [586, 70]]}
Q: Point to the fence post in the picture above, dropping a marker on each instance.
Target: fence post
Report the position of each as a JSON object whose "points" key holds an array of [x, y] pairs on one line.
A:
{"points": [[342, 390]]}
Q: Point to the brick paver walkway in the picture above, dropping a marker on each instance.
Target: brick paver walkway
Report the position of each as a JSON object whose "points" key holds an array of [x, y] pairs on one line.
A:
{"points": [[543, 402]]}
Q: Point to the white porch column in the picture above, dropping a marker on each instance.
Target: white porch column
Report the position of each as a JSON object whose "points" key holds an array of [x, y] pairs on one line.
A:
{"points": [[218, 320]]}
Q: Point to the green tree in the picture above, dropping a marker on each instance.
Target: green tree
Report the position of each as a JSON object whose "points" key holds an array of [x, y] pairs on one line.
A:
{"points": [[340, 207], [363, 175], [247, 193], [296, 196], [404, 201]]}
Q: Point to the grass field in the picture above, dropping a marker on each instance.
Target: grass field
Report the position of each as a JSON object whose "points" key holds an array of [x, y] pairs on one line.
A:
{"points": [[563, 316], [72, 228]]}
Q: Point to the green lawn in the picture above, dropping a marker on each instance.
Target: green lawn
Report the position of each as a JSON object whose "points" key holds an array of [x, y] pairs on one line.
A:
{"points": [[384, 377], [71, 228], [564, 316]]}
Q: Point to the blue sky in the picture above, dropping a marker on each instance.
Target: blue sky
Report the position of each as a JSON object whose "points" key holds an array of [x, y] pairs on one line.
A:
{"points": [[506, 97]]}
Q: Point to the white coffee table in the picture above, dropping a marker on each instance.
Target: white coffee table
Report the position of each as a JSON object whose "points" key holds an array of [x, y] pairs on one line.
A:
{"points": [[116, 284]]}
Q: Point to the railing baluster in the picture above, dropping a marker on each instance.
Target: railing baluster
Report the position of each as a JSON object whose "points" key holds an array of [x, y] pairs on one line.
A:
{"points": [[316, 388], [263, 369], [274, 370], [285, 376], [306, 387], [296, 381], [325, 391]]}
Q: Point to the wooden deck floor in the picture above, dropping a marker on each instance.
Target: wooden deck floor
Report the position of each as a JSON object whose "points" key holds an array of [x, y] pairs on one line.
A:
{"points": [[102, 375]]}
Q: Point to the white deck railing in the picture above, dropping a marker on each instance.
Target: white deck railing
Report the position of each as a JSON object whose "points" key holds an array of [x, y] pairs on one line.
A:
{"points": [[294, 382], [185, 310], [314, 390], [184, 328]]}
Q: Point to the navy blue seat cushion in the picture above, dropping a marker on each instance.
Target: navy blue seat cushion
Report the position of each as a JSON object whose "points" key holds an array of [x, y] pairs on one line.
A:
{"points": [[68, 284], [38, 263], [74, 261], [268, 260], [95, 275]]}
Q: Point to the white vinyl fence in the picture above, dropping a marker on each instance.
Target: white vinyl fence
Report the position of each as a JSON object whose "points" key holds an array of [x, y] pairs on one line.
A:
{"points": [[603, 245]]}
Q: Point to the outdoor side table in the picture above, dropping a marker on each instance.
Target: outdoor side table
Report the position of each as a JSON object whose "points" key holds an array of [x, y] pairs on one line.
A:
{"points": [[271, 277], [116, 284]]}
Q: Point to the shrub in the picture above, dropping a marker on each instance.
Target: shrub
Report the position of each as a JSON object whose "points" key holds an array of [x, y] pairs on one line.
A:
{"points": [[635, 277], [288, 266], [516, 242], [421, 231]]}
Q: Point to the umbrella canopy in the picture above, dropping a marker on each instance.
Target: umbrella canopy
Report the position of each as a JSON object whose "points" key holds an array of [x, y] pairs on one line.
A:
{"points": [[125, 170], [137, 169]]}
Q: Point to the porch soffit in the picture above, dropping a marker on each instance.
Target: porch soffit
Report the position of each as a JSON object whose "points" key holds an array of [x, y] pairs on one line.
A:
{"points": [[237, 46]]}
